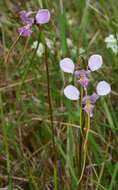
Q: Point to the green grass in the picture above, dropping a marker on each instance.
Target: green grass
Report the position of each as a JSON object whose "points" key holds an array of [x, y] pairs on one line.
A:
{"points": [[26, 151]]}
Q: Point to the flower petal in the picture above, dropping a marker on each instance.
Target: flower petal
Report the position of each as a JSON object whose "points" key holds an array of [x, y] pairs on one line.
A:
{"points": [[67, 65], [26, 17], [88, 108], [95, 62], [93, 98], [71, 92], [84, 81], [103, 88], [82, 72], [42, 16], [25, 31]]}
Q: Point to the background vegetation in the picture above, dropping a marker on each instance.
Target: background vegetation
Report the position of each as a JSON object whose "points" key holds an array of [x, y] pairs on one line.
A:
{"points": [[26, 153]]}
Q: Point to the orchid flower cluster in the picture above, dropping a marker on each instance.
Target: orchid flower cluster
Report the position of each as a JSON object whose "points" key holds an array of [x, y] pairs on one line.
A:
{"points": [[42, 17], [71, 92]]}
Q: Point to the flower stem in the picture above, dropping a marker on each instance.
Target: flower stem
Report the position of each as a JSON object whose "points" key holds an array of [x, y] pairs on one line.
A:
{"points": [[85, 149], [51, 119], [80, 138]]}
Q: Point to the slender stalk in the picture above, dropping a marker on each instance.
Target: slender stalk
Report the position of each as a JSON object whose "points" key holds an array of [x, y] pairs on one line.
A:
{"points": [[51, 120], [81, 140], [87, 132], [85, 151], [80, 135]]}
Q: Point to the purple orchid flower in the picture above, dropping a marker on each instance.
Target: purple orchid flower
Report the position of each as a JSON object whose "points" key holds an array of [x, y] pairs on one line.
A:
{"points": [[103, 88], [25, 31], [89, 102], [26, 17], [42, 16], [72, 93], [94, 63], [93, 98], [88, 108], [83, 77], [82, 72]]}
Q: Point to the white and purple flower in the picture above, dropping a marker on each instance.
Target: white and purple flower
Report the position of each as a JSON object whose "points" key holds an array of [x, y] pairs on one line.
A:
{"points": [[26, 17], [83, 77], [42, 17], [88, 102], [95, 62], [71, 92], [25, 31]]}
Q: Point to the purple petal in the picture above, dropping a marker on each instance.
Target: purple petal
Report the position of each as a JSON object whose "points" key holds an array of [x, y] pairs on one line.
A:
{"points": [[81, 72], [85, 99], [95, 62], [88, 108], [71, 92], [93, 98], [42, 16], [103, 88], [26, 17], [25, 31], [84, 81], [67, 65]]}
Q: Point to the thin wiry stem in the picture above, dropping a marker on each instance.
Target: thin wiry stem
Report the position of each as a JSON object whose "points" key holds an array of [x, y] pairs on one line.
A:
{"points": [[51, 120], [49, 97], [85, 150], [80, 138]]}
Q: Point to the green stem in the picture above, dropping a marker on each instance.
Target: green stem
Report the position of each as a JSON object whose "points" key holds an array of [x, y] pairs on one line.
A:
{"points": [[51, 119], [80, 138], [85, 150]]}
